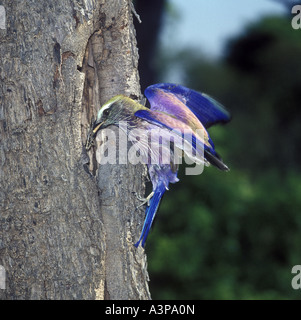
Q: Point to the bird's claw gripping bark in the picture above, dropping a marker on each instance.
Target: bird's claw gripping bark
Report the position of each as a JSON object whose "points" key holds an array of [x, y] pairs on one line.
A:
{"points": [[144, 200]]}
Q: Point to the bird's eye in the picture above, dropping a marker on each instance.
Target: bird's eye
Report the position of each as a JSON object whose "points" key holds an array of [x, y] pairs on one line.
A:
{"points": [[106, 112]]}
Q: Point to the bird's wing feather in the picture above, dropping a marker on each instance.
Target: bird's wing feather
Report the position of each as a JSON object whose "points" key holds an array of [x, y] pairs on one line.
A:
{"points": [[199, 141], [170, 98]]}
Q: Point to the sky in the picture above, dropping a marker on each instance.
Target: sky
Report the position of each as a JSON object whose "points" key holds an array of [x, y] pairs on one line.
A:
{"points": [[207, 24]]}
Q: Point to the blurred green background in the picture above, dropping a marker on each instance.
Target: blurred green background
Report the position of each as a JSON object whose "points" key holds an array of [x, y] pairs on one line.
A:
{"points": [[232, 235]]}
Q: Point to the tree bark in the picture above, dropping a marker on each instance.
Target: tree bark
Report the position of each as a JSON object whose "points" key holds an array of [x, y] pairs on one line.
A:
{"points": [[66, 233]]}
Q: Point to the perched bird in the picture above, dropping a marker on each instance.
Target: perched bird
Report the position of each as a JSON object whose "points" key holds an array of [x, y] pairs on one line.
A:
{"points": [[177, 121]]}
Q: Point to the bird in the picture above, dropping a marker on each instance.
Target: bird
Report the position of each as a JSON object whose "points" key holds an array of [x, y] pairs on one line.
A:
{"points": [[177, 120]]}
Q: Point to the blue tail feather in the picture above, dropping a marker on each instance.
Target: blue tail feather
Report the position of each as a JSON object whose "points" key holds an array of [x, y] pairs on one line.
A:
{"points": [[150, 213]]}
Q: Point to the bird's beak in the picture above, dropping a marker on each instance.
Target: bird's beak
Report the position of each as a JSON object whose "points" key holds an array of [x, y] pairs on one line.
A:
{"points": [[97, 127]]}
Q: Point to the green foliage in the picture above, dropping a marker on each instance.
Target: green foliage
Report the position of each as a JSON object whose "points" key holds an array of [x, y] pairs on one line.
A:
{"points": [[237, 235]]}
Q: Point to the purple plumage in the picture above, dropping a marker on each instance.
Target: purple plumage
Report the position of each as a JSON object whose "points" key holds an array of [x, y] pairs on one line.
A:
{"points": [[178, 110]]}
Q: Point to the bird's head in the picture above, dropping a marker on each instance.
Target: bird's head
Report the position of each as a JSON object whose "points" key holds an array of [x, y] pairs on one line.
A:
{"points": [[118, 108]]}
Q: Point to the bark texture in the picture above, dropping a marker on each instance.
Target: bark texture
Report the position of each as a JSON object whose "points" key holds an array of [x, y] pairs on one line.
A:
{"points": [[66, 233]]}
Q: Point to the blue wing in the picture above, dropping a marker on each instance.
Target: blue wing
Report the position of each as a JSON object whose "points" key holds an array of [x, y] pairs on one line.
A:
{"points": [[205, 108], [170, 123], [164, 120]]}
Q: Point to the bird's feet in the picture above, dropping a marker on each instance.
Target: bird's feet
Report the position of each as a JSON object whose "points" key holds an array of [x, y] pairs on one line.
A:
{"points": [[144, 200]]}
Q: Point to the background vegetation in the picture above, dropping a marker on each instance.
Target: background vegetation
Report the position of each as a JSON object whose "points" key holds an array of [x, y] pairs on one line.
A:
{"points": [[237, 235]]}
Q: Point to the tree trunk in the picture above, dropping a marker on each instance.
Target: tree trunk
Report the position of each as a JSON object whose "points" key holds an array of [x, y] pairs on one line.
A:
{"points": [[66, 232]]}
